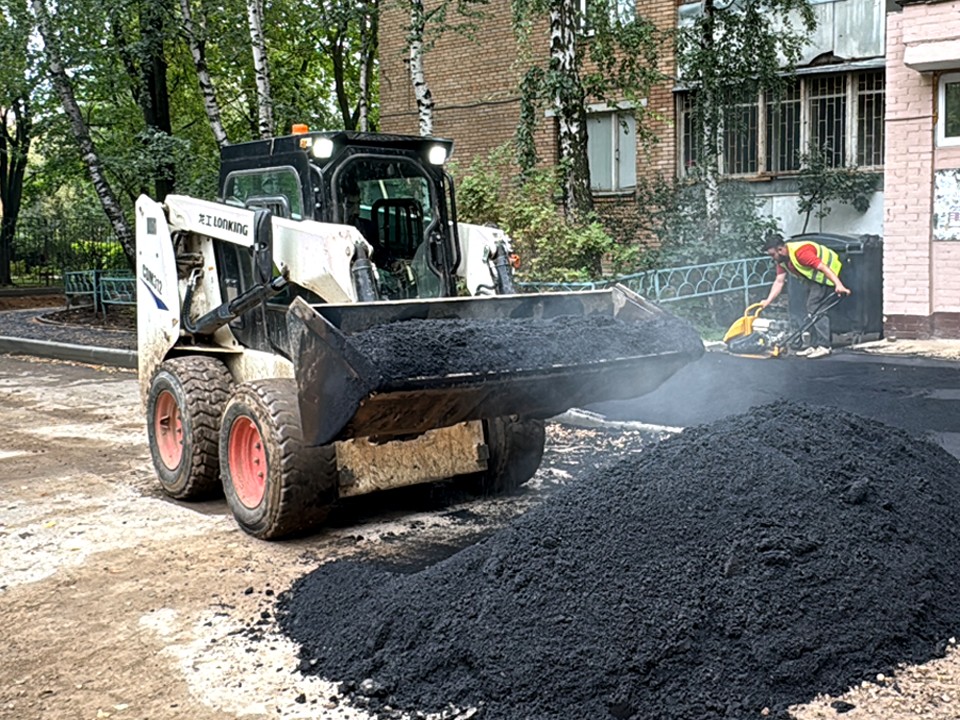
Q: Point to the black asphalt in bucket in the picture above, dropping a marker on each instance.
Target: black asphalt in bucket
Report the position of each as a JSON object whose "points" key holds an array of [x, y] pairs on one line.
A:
{"points": [[747, 564], [418, 348]]}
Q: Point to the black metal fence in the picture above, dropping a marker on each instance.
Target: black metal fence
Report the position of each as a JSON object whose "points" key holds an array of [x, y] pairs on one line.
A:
{"points": [[44, 249]]}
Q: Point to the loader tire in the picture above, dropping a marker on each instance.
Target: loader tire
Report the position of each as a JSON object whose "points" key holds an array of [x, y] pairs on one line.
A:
{"points": [[274, 485], [516, 448], [184, 404]]}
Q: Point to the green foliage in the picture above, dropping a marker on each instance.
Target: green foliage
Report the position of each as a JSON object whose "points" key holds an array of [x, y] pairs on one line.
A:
{"points": [[97, 255], [821, 185], [314, 48], [615, 61], [551, 248], [674, 213], [734, 51]]}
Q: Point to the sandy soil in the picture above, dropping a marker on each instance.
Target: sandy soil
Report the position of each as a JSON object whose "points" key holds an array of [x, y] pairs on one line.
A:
{"points": [[115, 602]]}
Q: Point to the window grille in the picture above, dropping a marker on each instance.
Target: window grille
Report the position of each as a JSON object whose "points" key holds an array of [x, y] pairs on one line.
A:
{"points": [[783, 130], [689, 142], [740, 140], [841, 115], [870, 109], [828, 117]]}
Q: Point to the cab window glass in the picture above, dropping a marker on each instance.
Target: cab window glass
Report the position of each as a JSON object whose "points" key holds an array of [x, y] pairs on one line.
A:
{"points": [[277, 189]]}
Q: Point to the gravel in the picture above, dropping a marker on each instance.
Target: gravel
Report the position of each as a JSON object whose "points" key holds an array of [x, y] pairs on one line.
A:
{"points": [[77, 326], [737, 567]]}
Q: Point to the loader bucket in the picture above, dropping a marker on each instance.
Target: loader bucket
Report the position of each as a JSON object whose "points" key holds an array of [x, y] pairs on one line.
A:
{"points": [[404, 367]]}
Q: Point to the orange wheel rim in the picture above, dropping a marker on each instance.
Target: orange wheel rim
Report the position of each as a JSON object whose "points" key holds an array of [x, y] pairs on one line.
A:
{"points": [[168, 430], [248, 462]]}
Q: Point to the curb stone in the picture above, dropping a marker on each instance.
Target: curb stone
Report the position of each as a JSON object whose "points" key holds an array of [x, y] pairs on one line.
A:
{"points": [[67, 351]]}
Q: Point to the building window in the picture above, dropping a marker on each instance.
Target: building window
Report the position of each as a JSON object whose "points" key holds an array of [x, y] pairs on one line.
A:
{"points": [[842, 115], [870, 120], [619, 12], [623, 12], [782, 124], [612, 151], [948, 118], [740, 139]]}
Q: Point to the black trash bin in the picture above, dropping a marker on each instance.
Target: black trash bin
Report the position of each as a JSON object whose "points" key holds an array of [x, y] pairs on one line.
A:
{"points": [[859, 317]]}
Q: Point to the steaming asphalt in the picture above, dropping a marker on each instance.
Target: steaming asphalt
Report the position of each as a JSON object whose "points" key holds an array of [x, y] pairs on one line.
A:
{"points": [[919, 395]]}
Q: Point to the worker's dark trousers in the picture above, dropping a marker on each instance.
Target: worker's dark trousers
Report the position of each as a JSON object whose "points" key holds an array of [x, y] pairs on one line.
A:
{"points": [[816, 293]]}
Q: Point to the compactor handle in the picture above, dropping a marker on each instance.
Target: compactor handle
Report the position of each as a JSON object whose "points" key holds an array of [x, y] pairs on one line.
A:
{"points": [[756, 312]]}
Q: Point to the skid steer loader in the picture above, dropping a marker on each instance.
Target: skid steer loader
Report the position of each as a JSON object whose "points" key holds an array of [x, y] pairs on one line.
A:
{"points": [[249, 314]]}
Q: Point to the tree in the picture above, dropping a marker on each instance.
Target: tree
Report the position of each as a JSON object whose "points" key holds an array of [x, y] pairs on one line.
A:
{"points": [[64, 87], [140, 39], [615, 61], [730, 54], [261, 67], [821, 185], [425, 28], [196, 37], [17, 75]]}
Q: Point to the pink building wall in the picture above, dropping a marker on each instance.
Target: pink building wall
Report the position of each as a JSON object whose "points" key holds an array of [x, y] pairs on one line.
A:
{"points": [[921, 288]]}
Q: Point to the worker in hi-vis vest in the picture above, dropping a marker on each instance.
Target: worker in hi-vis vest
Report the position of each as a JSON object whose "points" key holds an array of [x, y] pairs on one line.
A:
{"points": [[818, 269]]}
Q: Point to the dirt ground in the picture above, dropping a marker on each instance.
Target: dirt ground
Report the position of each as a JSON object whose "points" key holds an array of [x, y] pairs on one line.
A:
{"points": [[119, 603], [115, 602]]}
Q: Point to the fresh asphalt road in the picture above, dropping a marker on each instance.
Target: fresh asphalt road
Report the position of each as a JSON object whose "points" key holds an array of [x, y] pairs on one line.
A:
{"points": [[921, 396]]}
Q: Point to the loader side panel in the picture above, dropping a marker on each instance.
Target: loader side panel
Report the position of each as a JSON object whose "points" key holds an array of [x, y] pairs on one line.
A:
{"points": [[158, 296]]}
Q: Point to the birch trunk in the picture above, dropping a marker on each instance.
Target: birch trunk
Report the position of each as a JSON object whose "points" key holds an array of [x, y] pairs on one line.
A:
{"points": [[421, 90], [570, 107], [368, 36], [61, 82], [196, 38], [711, 119], [261, 69]]}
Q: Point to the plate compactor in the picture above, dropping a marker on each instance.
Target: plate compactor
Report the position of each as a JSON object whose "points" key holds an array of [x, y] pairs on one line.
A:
{"points": [[327, 328], [754, 336]]}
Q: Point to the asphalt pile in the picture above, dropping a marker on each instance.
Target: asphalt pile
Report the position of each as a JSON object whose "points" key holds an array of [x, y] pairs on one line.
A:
{"points": [[423, 348], [739, 566]]}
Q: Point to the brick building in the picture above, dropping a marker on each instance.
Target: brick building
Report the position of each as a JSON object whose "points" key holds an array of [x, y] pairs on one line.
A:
{"points": [[878, 84], [922, 204]]}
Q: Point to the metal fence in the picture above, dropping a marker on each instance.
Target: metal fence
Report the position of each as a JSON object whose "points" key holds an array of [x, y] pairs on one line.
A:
{"points": [[99, 289], [711, 296], [688, 282], [44, 249]]}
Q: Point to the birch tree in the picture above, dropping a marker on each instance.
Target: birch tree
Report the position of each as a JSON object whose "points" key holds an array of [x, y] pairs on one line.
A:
{"points": [[196, 37], [729, 55], [261, 67], [421, 89], [64, 88], [623, 59], [425, 28]]}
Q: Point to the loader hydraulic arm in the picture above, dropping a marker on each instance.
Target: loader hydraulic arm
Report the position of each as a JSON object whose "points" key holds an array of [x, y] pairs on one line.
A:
{"points": [[228, 311]]}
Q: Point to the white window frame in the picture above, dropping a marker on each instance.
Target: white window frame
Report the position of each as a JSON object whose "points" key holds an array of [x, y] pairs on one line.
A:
{"points": [[942, 139], [616, 111]]}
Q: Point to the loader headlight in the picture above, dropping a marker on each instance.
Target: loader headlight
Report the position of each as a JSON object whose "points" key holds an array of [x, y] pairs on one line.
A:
{"points": [[322, 147], [437, 155]]}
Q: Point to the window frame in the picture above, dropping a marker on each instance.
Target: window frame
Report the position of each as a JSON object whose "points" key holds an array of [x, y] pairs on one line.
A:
{"points": [[615, 138], [852, 122], [945, 79]]}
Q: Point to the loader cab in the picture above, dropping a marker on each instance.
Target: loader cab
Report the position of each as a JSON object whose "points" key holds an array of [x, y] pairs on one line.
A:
{"points": [[392, 188], [392, 202]]}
